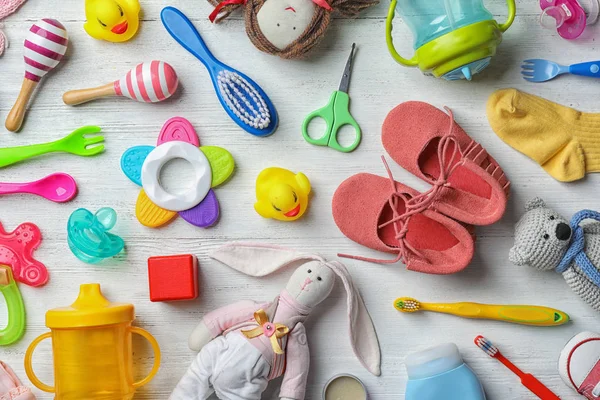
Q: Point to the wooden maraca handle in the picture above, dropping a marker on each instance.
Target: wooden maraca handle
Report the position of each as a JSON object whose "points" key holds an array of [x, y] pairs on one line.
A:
{"points": [[74, 97], [15, 117]]}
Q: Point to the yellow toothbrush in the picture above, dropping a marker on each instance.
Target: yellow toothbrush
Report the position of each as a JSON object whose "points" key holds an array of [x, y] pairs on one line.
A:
{"points": [[517, 314]]}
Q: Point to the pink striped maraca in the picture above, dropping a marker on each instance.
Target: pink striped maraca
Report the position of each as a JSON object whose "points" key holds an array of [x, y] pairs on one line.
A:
{"points": [[148, 82], [45, 45]]}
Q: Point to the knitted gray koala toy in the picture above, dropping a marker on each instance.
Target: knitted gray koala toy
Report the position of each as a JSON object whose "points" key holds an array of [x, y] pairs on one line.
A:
{"points": [[546, 241]]}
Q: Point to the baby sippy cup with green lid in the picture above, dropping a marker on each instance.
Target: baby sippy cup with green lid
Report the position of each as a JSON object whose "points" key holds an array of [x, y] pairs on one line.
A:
{"points": [[453, 39], [92, 349]]}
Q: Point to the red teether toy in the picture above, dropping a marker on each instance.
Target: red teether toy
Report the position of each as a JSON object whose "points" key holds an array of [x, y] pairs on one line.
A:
{"points": [[16, 251]]}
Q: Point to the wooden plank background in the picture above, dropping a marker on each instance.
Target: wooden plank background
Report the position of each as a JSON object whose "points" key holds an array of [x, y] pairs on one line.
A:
{"points": [[296, 87]]}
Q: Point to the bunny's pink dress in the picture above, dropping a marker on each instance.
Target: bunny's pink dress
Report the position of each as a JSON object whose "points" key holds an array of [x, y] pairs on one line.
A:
{"points": [[239, 368]]}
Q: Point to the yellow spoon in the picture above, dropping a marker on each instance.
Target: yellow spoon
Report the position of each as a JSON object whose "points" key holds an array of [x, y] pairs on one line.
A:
{"points": [[517, 314]]}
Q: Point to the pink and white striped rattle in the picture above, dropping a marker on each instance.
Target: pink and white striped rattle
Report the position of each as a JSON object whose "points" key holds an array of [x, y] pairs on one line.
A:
{"points": [[148, 82], [45, 45]]}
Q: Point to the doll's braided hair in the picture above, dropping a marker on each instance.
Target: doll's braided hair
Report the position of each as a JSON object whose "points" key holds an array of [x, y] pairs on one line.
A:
{"points": [[309, 38]]}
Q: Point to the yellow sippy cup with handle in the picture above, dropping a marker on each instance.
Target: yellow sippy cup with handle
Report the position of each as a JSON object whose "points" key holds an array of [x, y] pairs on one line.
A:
{"points": [[92, 350]]}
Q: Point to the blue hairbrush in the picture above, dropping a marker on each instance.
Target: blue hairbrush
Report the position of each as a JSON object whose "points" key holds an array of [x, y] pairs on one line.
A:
{"points": [[245, 102]]}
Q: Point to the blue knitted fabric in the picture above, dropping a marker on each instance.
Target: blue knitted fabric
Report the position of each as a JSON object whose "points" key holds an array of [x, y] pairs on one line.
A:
{"points": [[576, 250]]}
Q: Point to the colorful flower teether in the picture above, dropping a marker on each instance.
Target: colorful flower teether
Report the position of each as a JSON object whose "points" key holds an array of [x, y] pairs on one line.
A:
{"points": [[88, 235], [198, 205], [16, 251]]}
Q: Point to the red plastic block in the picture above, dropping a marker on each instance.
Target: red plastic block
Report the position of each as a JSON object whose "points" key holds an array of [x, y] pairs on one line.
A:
{"points": [[173, 278]]}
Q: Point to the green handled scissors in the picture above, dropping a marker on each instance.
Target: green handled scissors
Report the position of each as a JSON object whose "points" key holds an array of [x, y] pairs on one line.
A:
{"points": [[336, 114]]}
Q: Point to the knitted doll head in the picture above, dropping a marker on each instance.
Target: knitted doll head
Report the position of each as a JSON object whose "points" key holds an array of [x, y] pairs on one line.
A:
{"points": [[541, 237], [288, 28]]}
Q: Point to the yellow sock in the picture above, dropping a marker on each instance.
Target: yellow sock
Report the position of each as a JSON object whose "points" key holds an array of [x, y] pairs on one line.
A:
{"points": [[564, 141]]}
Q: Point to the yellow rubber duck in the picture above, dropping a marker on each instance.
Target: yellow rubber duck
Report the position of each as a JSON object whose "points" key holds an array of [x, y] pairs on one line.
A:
{"points": [[281, 194], [112, 20]]}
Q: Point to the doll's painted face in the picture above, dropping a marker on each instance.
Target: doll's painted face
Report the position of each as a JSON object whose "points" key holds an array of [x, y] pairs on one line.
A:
{"points": [[283, 21]]}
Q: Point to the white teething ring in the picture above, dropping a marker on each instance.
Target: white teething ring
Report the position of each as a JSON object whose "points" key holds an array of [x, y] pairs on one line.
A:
{"points": [[156, 160]]}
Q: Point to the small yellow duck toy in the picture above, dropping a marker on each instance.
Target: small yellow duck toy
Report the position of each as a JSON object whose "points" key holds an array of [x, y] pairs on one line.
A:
{"points": [[281, 194], [112, 20]]}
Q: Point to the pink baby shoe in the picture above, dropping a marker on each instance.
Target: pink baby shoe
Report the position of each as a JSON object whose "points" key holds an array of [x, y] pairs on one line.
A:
{"points": [[11, 387], [579, 364], [468, 184], [387, 216]]}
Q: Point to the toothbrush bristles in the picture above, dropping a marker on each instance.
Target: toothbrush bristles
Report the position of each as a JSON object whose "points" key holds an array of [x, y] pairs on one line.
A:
{"points": [[407, 304], [487, 346]]}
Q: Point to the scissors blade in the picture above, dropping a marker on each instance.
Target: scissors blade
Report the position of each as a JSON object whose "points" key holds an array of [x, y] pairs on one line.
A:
{"points": [[345, 83]]}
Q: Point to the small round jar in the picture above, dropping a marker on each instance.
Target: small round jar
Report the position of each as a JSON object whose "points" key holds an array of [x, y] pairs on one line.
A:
{"points": [[346, 387]]}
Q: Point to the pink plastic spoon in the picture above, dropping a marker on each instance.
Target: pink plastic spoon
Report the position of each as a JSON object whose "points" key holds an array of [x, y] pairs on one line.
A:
{"points": [[56, 187]]}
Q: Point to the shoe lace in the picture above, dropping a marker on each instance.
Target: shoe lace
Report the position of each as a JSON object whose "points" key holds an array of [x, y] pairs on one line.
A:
{"points": [[448, 163]]}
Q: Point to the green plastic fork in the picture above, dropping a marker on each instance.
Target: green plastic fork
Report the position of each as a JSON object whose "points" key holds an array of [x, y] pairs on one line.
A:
{"points": [[74, 143]]}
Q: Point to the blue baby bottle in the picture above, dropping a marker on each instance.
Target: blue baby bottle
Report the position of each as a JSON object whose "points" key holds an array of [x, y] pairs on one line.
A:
{"points": [[440, 373]]}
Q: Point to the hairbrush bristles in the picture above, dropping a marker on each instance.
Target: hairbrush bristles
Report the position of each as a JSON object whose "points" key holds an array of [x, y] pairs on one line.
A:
{"points": [[407, 304], [244, 100], [487, 346]]}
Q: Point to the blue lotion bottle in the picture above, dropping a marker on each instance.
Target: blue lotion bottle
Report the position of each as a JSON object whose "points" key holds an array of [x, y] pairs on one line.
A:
{"points": [[440, 373]]}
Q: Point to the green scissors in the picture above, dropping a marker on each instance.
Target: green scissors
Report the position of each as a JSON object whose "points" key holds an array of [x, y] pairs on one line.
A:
{"points": [[336, 114]]}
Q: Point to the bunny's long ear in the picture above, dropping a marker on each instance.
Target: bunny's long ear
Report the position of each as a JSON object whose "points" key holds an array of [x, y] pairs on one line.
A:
{"points": [[362, 332], [256, 259]]}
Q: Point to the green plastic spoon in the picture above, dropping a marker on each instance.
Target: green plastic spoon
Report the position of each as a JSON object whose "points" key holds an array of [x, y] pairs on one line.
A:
{"points": [[75, 143]]}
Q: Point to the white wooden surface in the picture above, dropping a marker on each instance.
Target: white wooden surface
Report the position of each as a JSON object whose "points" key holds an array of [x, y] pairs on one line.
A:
{"points": [[296, 87]]}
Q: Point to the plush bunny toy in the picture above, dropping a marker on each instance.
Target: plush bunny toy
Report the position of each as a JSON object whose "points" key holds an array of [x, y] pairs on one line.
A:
{"points": [[245, 345]]}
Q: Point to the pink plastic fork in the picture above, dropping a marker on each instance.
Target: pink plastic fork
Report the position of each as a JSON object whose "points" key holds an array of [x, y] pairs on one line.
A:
{"points": [[56, 187]]}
